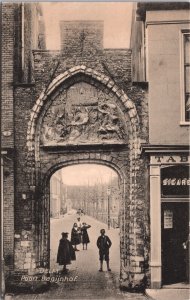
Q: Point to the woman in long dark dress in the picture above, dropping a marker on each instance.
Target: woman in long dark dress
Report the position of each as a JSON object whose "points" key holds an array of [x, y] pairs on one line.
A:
{"points": [[85, 237], [75, 236], [65, 252]]}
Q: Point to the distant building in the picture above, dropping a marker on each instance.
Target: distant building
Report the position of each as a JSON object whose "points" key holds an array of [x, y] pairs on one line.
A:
{"points": [[57, 196], [68, 205]]}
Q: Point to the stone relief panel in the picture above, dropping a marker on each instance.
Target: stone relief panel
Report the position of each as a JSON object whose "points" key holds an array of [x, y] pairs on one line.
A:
{"points": [[83, 114]]}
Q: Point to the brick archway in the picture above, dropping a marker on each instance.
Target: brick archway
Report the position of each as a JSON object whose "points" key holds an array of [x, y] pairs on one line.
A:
{"points": [[123, 160], [99, 158], [51, 168]]}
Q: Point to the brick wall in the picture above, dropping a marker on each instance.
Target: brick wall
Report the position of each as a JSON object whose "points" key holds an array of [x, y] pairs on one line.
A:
{"points": [[22, 112], [28, 35], [16, 67], [80, 35], [7, 128], [7, 138], [8, 214]]}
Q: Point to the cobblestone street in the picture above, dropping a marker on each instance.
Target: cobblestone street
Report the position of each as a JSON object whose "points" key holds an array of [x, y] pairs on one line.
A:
{"points": [[89, 282]]}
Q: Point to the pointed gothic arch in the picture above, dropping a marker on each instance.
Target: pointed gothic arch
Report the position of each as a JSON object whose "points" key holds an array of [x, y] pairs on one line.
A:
{"points": [[42, 173]]}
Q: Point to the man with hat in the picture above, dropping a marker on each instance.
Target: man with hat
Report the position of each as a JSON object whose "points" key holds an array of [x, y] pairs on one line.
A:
{"points": [[65, 252]]}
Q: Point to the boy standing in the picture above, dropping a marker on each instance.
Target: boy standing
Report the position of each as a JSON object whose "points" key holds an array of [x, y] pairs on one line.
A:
{"points": [[103, 244]]}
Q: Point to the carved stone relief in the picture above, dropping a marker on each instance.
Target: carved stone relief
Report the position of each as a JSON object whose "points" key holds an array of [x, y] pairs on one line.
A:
{"points": [[83, 115]]}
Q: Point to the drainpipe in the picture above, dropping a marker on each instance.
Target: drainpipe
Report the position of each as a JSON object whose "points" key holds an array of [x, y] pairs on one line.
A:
{"points": [[22, 38], [1, 238], [108, 194]]}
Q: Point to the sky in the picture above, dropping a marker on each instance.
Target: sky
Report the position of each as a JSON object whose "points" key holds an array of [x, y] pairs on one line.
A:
{"points": [[87, 173], [116, 17]]}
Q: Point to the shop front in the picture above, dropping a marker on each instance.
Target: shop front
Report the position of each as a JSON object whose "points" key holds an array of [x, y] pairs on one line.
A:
{"points": [[169, 216], [175, 185]]}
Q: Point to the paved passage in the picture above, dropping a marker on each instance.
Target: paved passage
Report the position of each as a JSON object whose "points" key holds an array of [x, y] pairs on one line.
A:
{"points": [[83, 280], [85, 260]]}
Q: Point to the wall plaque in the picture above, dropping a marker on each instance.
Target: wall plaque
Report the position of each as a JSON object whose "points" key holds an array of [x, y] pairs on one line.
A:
{"points": [[168, 219], [83, 115]]}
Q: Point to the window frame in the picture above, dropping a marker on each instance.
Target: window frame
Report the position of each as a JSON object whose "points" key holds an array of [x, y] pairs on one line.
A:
{"points": [[183, 32]]}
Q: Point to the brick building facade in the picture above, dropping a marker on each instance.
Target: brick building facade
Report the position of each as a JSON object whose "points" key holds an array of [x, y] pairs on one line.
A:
{"points": [[82, 105], [79, 107], [20, 33]]}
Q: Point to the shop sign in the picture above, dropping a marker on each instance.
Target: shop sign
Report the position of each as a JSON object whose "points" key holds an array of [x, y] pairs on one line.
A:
{"points": [[170, 159], [175, 181], [168, 219]]}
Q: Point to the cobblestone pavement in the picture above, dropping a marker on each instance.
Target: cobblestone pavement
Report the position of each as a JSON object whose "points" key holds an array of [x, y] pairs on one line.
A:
{"points": [[83, 280]]}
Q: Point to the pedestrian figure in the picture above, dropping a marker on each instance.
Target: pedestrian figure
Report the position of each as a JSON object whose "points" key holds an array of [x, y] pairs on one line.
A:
{"points": [[85, 237], [65, 252], [103, 244], [79, 225], [75, 236]]}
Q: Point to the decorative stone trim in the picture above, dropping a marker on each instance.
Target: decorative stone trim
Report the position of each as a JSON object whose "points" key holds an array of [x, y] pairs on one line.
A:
{"points": [[105, 80], [32, 136]]}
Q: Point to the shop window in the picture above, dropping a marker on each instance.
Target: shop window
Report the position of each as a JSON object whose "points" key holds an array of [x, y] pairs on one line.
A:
{"points": [[186, 76], [175, 182]]}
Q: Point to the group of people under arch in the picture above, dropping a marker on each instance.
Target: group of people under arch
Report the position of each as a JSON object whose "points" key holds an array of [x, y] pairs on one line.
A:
{"points": [[79, 234]]}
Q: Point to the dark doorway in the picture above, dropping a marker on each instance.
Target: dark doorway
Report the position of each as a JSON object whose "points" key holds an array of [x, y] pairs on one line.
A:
{"points": [[175, 221]]}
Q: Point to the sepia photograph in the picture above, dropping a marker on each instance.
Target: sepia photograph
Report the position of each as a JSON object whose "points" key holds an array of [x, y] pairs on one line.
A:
{"points": [[95, 162]]}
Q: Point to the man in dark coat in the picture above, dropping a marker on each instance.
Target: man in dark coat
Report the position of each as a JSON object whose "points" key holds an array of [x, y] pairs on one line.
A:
{"points": [[65, 252], [103, 244]]}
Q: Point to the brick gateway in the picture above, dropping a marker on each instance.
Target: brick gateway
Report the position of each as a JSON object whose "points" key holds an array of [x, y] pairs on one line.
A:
{"points": [[80, 108], [44, 158]]}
